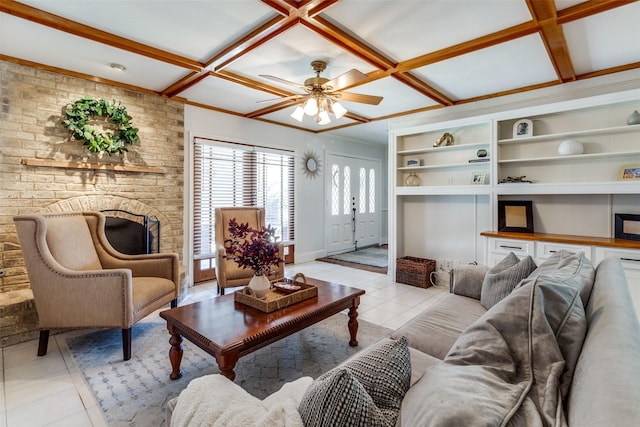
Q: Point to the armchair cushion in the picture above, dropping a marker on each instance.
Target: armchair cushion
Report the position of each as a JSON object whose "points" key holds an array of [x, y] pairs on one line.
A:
{"points": [[71, 244]]}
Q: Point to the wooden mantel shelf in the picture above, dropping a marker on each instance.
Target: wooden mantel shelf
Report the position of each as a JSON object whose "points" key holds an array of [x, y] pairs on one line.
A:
{"points": [[93, 166], [565, 238]]}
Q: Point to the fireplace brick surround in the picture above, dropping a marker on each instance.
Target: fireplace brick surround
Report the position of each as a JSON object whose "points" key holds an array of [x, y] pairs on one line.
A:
{"points": [[31, 108]]}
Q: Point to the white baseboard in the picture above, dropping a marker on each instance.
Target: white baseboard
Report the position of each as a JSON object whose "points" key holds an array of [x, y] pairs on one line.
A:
{"points": [[309, 256]]}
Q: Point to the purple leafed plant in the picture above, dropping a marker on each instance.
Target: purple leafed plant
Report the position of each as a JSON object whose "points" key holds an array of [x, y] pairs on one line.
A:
{"points": [[252, 248]]}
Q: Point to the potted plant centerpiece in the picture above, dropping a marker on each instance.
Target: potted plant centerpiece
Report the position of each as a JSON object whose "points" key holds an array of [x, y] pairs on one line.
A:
{"points": [[256, 249]]}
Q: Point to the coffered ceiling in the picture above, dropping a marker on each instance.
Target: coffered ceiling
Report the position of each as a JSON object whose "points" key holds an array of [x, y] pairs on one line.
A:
{"points": [[417, 54]]}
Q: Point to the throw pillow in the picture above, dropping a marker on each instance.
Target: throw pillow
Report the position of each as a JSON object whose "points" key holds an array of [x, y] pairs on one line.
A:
{"points": [[503, 278], [574, 269], [367, 390]]}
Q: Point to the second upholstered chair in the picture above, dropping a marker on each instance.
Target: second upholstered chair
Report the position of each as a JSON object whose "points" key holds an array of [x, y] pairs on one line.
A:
{"points": [[228, 274]]}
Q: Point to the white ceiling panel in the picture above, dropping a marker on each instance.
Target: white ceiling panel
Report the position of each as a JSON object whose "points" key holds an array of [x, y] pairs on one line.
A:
{"points": [[432, 25], [518, 63], [195, 29], [295, 49], [65, 51], [605, 40]]}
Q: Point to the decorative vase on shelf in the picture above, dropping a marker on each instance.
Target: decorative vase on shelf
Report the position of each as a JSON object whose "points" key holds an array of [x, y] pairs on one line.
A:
{"points": [[634, 118], [570, 147], [259, 285], [412, 180]]}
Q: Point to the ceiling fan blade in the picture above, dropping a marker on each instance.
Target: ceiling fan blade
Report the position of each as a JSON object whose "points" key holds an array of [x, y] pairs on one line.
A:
{"points": [[357, 97], [284, 98], [347, 79], [283, 81]]}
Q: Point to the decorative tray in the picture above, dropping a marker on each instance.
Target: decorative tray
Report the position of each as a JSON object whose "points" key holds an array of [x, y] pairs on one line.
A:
{"points": [[281, 295]]}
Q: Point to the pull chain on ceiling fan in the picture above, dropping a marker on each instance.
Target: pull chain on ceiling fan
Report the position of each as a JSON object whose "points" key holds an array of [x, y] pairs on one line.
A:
{"points": [[322, 94]]}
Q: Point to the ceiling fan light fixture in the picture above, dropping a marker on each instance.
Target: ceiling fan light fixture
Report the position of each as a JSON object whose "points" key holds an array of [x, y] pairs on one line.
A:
{"points": [[311, 107], [338, 109], [323, 118], [298, 113]]}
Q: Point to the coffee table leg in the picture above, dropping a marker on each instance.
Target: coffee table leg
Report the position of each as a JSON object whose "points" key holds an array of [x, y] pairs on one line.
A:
{"points": [[226, 363], [175, 353], [353, 321]]}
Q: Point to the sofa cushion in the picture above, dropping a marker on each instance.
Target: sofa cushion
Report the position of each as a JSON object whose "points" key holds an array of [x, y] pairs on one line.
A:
{"points": [[366, 390], [574, 269], [503, 278], [508, 366], [436, 329], [420, 362]]}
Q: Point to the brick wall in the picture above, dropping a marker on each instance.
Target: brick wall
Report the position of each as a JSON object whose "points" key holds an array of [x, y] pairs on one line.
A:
{"points": [[31, 106]]}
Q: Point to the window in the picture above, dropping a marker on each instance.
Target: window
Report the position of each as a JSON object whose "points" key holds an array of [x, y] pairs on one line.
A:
{"points": [[227, 174]]}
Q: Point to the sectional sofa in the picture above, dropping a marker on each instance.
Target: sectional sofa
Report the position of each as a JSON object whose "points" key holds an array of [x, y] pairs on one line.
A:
{"points": [[556, 344]]}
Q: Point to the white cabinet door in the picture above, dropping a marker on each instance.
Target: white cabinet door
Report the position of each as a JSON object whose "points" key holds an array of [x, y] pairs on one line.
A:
{"points": [[499, 248], [544, 250]]}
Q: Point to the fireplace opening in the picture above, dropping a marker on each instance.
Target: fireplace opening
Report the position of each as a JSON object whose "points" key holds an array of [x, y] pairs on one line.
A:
{"points": [[131, 233]]}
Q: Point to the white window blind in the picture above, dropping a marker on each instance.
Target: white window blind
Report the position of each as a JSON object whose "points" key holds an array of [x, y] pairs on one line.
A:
{"points": [[227, 174]]}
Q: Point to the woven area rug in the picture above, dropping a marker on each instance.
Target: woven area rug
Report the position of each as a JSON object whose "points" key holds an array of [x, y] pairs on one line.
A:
{"points": [[134, 393], [371, 259]]}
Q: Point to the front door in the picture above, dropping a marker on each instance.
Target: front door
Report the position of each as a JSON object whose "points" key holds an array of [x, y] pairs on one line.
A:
{"points": [[352, 189]]}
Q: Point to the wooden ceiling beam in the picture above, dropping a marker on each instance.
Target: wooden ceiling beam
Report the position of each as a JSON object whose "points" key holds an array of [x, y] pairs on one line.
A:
{"points": [[250, 41], [71, 27], [544, 14], [272, 108], [469, 46], [341, 38], [423, 88], [185, 83], [585, 9], [252, 84]]}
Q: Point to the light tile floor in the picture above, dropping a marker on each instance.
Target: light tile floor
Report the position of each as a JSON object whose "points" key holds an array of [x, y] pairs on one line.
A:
{"points": [[51, 391]]}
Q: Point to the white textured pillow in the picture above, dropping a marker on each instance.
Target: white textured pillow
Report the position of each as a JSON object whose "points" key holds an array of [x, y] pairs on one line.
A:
{"points": [[503, 278], [214, 400]]}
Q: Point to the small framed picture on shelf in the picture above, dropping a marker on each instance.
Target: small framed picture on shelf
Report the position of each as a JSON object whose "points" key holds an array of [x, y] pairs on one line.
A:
{"points": [[523, 128], [413, 163], [627, 226], [478, 177], [629, 173], [516, 216]]}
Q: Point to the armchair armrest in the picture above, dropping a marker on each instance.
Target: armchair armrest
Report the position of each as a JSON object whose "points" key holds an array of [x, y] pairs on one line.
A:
{"points": [[466, 280]]}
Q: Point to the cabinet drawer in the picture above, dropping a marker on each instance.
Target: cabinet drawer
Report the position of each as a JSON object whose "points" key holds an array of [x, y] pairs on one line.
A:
{"points": [[518, 247], [630, 258], [545, 250]]}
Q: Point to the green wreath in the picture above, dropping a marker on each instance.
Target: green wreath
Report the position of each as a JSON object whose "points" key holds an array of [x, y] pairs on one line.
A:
{"points": [[81, 111]]}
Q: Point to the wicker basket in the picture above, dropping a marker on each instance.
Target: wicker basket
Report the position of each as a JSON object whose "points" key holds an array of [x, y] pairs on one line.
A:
{"points": [[414, 271]]}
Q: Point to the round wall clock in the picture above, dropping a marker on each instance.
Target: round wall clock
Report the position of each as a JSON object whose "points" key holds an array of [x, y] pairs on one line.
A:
{"points": [[311, 164]]}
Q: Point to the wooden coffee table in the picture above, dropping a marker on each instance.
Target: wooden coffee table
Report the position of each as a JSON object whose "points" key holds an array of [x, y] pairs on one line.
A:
{"points": [[228, 330]]}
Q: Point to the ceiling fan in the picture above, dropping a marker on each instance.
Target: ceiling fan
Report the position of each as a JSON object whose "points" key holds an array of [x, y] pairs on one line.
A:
{"points": [[322, 94]]}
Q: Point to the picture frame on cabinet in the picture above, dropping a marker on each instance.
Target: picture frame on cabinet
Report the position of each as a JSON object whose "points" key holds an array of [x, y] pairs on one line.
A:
{"points": [[523, 128], [629, 173], [515, 216], [478, 177], [627, 226]]}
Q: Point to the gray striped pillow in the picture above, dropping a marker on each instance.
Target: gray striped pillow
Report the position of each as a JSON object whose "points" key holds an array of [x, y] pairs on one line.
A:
{"points": [[503, 278]]}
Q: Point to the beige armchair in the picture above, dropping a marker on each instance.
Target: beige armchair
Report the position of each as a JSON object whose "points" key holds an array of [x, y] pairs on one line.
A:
{"points": [[228, 274], [80, 281]]}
